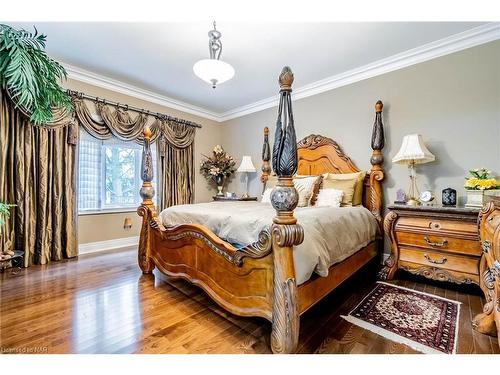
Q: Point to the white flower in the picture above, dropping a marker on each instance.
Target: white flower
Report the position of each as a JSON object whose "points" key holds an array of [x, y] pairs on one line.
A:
{"points": [[218, 149]]}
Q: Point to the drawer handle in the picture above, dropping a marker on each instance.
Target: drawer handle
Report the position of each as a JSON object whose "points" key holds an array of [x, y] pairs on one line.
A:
{"points": [[435, 244], [443, 260]]}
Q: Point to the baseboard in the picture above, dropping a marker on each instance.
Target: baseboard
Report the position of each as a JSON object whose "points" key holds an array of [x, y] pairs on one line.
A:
{"points": [[119, 243]]}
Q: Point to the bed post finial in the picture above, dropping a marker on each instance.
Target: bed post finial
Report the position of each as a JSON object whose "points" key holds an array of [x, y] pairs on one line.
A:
{"points": [[286, 233], [266, 156], [147, 209], [376, 160]]}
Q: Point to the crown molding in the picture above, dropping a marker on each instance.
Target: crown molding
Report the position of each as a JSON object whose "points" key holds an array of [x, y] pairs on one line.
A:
{"points": [[454, 43], [82, 75]]}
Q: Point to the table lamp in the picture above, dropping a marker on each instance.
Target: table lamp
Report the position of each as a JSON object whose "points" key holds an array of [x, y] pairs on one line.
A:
{"points": [[413, 151], [246, 167]]}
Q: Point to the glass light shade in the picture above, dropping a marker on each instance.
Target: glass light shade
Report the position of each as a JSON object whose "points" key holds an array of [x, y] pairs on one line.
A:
{"points": [[213, 71], [413, 150], [246, 165]]}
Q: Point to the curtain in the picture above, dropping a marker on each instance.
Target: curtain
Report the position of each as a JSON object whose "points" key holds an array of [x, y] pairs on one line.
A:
{"points": [[175, 158], [38, 175], [175, 145]]}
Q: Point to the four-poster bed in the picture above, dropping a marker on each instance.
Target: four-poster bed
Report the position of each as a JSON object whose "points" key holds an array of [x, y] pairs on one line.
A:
{"points": [[259, 279]]}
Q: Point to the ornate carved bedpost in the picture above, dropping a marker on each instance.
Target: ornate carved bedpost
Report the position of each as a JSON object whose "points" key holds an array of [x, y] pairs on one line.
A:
{"points": [[147, 209], [286, 233], [266, 156], [377, 158]]}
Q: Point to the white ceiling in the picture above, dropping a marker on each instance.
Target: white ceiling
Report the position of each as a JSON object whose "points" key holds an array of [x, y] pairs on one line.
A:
{"points": [[158, 57]]}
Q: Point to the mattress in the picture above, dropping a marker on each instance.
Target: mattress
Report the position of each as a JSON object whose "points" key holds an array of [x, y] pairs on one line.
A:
{"points": [[331, 234]]}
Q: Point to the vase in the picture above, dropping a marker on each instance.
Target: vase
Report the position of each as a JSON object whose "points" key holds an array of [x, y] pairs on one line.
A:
{"points": [[475, 198], [219, 180]]}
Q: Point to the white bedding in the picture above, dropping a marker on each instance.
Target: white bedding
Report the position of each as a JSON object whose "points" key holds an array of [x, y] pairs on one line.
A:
{"points": [[330, 234]]}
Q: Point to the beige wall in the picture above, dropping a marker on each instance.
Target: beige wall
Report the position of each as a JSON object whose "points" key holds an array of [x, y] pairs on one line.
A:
{"points": [[93, 228], [453, 101]]}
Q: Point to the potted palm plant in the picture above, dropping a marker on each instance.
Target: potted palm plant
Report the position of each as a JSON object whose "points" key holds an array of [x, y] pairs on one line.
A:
{"points": [[29, 76]]}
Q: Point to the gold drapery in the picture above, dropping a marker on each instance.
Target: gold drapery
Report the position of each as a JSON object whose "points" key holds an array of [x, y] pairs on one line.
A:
{"points": [[175, 145], [38, 174]]}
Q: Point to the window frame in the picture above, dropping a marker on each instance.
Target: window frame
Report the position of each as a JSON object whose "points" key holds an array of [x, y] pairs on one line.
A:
{"points": [[102, 175]]}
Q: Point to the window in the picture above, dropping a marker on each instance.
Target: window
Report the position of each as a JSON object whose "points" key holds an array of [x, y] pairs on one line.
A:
{"points": [[109, 174]]}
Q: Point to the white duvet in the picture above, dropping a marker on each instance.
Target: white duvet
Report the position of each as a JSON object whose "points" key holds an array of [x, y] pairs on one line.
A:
{"points": [[330, 234]]}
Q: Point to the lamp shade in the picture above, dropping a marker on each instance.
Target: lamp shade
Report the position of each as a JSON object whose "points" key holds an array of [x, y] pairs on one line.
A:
{"points": [[413, 150], [246, 165], [213, 71]]}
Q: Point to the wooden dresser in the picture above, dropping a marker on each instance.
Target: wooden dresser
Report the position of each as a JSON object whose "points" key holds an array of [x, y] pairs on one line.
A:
{"points": [[489, 231], [438, 242]]}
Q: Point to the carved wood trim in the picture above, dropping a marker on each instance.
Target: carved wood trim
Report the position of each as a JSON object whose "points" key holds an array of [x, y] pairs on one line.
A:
{"points": [[391, 263], [438, 274], [266, 156]]}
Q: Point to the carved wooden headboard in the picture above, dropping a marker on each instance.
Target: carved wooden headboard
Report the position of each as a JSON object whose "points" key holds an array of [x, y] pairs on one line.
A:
{"points": [[318, 154]]}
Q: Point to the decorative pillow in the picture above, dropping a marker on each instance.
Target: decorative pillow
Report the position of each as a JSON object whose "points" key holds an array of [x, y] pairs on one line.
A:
{"points": [[313, 190], [358, 188], [347, 186], [329, 198], [307, 187], [266, 197]]}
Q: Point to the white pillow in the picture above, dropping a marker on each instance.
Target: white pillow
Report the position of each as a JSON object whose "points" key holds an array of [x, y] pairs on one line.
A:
{"points": [[266, 197], [304, 187], [329, 198]]}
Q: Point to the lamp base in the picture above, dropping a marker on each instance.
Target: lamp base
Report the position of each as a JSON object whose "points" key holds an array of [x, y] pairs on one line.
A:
{"points": [[413, 202]]}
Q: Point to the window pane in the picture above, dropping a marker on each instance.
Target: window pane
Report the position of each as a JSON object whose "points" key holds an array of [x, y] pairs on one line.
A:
{"points": [[89, 172], [109, 173]]}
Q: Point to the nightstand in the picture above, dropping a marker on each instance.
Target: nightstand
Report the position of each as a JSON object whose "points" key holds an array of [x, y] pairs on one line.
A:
{"points": [[223, 198], [438, 242]]}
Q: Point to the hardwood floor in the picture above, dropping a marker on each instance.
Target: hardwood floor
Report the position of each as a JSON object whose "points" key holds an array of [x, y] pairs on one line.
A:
{"points": [[103, 304]]}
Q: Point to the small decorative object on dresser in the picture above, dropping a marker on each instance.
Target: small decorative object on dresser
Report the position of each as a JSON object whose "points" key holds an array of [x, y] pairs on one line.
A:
{"points": [[426, 197], [246, 167], [400, 197], [218, 167], [449, 197], [489, 231], [413, 151], [476, 185], [437, 242]]}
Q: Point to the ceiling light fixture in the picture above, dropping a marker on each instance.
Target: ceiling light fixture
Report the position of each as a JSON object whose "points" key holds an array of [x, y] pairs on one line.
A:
{"points": [[214, 70]]}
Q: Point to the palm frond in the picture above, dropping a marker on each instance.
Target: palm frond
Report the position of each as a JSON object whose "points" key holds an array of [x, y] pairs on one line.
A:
{"points": [[30, 75]]}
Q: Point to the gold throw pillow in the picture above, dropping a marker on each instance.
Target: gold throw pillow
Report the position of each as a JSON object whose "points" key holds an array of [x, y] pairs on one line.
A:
{"points": [[347, 186], [357, 198]]}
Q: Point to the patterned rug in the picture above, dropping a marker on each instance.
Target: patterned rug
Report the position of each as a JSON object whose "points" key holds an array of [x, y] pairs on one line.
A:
{"points": [[422, 321]]}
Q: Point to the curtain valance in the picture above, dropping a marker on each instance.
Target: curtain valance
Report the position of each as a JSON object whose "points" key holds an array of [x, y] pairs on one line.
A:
{"points": [[109, 120]]}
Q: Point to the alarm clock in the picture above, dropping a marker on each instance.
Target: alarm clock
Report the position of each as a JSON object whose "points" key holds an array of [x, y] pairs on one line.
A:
{"points": [[426, 197]]}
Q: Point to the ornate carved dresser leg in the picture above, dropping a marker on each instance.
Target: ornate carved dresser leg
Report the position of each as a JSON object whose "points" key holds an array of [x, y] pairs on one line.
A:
{"points": [[391, 263], [286, 233]]}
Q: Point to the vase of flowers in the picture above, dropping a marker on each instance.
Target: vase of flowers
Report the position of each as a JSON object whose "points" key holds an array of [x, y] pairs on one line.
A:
{"points": [[218, 167], [477, 184]]}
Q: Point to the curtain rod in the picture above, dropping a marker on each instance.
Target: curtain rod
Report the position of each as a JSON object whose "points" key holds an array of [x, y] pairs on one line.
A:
{"points": [[158, 115]]}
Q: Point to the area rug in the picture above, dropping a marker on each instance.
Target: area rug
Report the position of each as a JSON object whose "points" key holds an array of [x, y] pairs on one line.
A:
{"points": [[424, 322]]}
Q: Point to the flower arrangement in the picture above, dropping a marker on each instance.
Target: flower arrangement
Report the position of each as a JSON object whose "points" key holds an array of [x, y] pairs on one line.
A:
{"points": [[217, 166], [481, 180], [4, 211]]}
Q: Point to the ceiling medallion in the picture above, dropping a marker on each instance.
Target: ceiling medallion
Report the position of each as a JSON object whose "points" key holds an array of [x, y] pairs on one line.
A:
{"points": [[213, 70]]}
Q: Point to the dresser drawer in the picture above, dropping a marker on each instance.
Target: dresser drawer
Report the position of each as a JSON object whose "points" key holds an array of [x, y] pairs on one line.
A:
{"points": [[441, 241], [461, 227], [441, 260]]}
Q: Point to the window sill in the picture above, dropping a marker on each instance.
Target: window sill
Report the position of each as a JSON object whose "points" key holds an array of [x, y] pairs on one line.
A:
{"points": [[108, 211]]}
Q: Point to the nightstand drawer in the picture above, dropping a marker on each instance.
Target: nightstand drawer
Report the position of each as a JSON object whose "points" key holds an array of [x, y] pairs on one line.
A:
{"points": [[438, 225], [440, 241], [441, 260]]}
